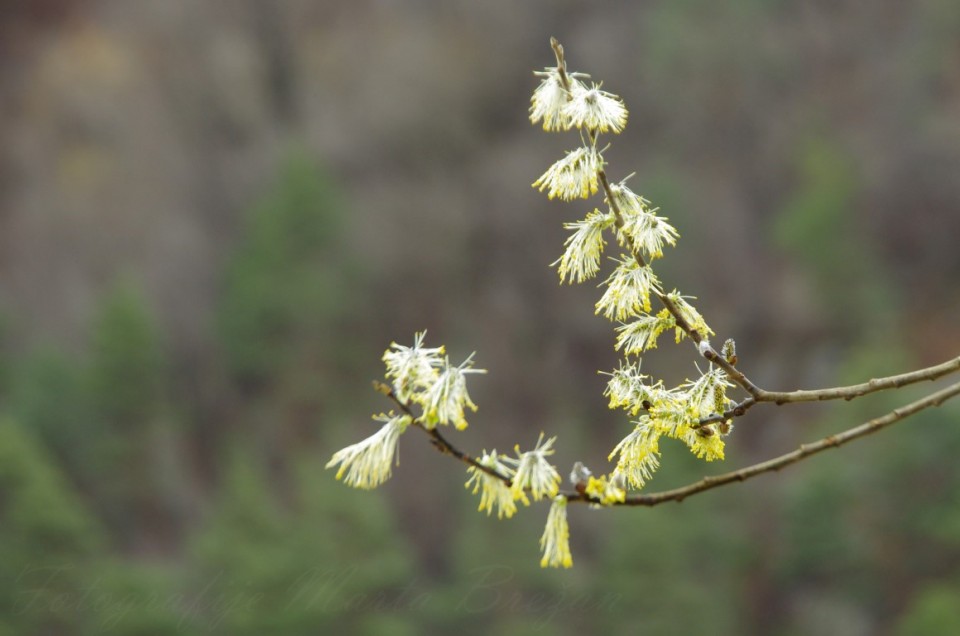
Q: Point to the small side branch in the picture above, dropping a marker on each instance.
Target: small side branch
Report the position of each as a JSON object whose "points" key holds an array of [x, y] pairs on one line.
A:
{"points": [[836, 393], [775, 464], [439, 442], [857, 390]]}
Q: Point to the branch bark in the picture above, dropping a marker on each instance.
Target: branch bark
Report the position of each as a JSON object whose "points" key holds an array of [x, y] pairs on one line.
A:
{"points": [[709, 483], [775, 464], [837, 393]]}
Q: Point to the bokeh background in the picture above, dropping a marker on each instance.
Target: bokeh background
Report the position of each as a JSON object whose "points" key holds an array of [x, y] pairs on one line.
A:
{"points": [[215, 216]]}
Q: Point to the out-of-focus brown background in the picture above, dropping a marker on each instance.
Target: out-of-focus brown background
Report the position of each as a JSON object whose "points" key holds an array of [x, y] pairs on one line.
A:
{"points": [[214, 217]]}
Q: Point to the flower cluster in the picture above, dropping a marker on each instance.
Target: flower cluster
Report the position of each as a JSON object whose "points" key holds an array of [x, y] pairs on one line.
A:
{"points": [[528, 473], [534, 473], [432, 392], [495, 491], [420, 376], [573, 177], [564, 101], [424, 376]]}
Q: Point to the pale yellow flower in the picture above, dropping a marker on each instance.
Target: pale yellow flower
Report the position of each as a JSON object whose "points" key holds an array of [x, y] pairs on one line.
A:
{"points": [[444, 401], [412, 369], [628, 201], [648, 232], [706, 444], [608, 490], [555, 542], [574, 176], [642, 229], [581, 259], [708, 394], [690, 315], [534, 472], [594, 109], [493, 491], [550, 99], [367, 464], [641, 334], [627, 388], [639, 453], [628, 290]]}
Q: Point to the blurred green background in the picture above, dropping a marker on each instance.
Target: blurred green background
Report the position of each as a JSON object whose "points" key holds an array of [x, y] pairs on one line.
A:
{"points": [[214, 217]]}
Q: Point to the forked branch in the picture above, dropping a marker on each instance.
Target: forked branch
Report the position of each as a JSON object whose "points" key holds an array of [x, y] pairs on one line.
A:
{"points": [[775, 464], [431, 392], [807, 450]]}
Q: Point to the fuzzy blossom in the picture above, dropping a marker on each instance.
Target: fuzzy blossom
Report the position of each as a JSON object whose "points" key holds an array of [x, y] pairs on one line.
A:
{"points": [[628, 290], [647, 232], [608, 490], [596, 110], [367, 464], [705, 443], [639, 453], [551, 97], [534, 472], [707, 394], [641, 334], [574, 176], [412, 369], [642, 229], [493, 491], [627, 388], [627, 201], [690, 315], [671, 411], [555, 542], [581, 259], [444, 401]]}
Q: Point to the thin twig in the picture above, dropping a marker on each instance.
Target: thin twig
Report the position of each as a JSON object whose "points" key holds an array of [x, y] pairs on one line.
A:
{"points": [[757, 395], [775, 464], [440, 442], [836, 393], [857, 390]]}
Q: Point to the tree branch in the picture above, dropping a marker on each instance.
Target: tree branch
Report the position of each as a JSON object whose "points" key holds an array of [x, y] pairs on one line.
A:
{"points": [[439, 442], [703, 346], [857, 390], [836, 393], [775, 464], [757, 395], [937, 398]]}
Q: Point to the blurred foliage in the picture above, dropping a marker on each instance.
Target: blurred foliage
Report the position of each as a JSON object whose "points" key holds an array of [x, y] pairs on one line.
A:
{"points": [[819, 228], [49, 541], [127, 376], [66, 425], [320, 565], [127, 368], [934, 611], [283, 283]]}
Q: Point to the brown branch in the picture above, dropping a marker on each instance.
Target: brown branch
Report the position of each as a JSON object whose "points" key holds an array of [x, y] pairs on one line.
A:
{"points": [[708, 483], [857, 390], [775, 464], [757, 395], [737, 410], [436, 437], [836, 393]]}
